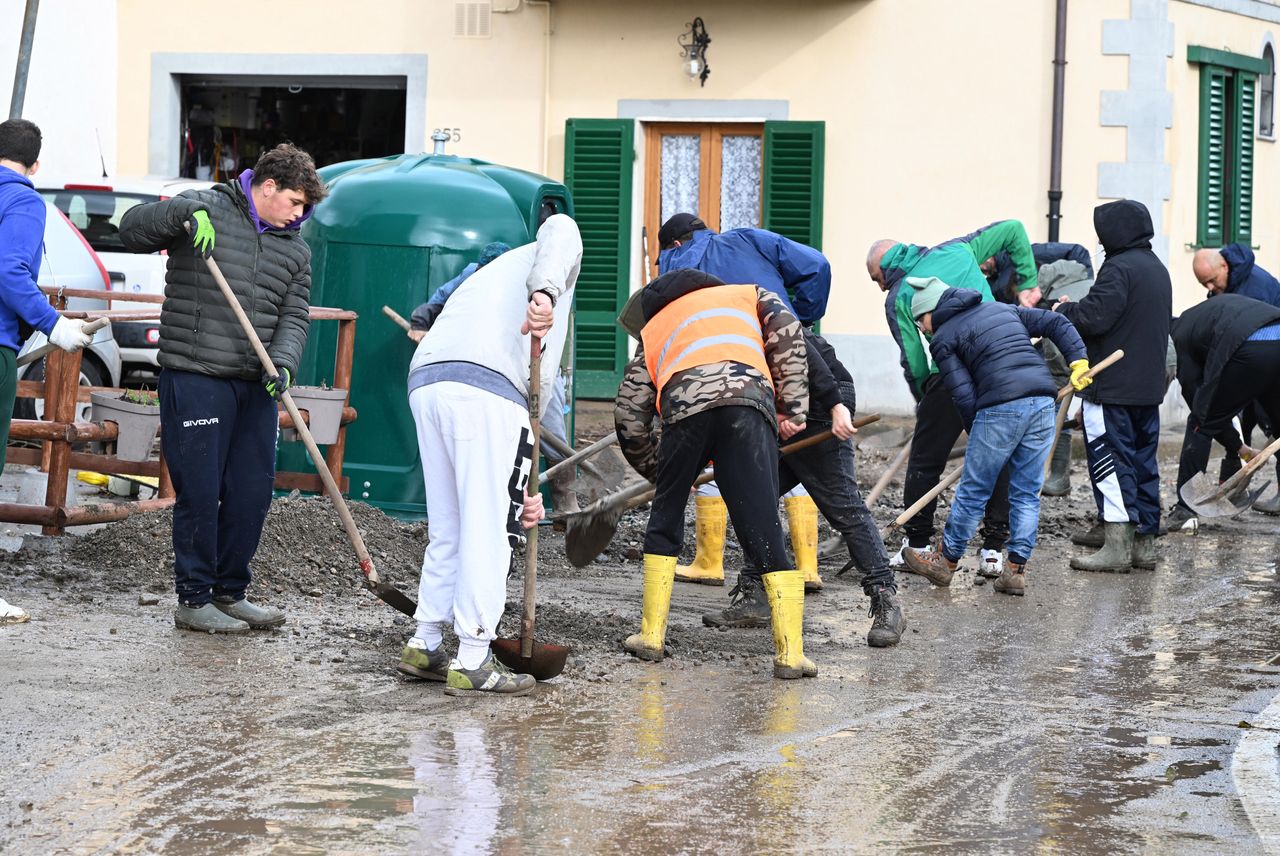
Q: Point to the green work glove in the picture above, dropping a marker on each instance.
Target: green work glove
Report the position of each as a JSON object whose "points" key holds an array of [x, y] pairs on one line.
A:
{"points": [[277, 385], [204, 236], [1078, 371]]}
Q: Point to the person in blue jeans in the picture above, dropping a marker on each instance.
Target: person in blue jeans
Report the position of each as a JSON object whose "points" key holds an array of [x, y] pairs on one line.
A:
{"points": [[1005, 395]]}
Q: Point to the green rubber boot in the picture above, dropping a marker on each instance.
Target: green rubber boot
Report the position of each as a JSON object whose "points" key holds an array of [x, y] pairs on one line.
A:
{"points": [[1144, 552], [207, 619], [1059, 481], [1116, 555]]}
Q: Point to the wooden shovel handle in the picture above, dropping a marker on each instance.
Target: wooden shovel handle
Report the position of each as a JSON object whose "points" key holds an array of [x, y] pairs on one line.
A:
{"points": [[531, 487], [397, 317], [1255, 463], [48, 347]]}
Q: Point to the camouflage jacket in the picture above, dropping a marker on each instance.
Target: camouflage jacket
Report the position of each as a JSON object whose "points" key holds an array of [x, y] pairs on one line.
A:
{"points": [[714, 385]]}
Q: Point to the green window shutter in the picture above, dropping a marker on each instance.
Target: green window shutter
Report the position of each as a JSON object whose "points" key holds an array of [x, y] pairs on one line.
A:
{"points": [[598, 157], [793, 179], [1213, 154], [1242, 186]]}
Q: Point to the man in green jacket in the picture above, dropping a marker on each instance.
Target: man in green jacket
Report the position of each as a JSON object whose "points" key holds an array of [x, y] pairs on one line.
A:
{"points": [[938, 423]]}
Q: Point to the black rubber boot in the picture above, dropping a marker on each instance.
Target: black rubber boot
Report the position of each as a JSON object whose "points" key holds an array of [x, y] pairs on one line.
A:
{"points": [[888, 624], [1091, 537], [1116, 555], [749, 606], [1059, 481]]}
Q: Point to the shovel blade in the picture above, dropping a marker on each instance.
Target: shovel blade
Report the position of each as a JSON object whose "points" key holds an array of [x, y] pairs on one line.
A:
{"points": [[393, 597], [1199, 495], [588, 533], [546, 662]]}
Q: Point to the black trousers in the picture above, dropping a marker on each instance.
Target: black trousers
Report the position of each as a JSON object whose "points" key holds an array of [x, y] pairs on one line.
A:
{"points": [[744, 447], [220, 444], [938, 426], [1252, 373]]}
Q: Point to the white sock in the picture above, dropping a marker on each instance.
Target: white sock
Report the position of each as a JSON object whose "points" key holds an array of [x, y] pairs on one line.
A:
{"points": [[429, 634], [472, 652]]}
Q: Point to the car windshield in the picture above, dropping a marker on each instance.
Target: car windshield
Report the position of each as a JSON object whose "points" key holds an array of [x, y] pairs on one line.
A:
{"points": [[97, 213]]}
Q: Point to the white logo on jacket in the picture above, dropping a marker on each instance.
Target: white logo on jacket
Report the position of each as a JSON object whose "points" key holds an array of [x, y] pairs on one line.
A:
{"points": [[196, 423]]}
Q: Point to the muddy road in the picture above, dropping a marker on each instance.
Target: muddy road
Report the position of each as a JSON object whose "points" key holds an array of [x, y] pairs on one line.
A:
{"points": [[1098, 714]]}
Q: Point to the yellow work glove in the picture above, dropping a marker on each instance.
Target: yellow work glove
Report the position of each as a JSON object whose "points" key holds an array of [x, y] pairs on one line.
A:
{"points": [[1078, 370]]}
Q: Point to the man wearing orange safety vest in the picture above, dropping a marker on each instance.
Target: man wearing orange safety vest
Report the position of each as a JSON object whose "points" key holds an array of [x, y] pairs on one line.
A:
{"points": [[724, 366]]}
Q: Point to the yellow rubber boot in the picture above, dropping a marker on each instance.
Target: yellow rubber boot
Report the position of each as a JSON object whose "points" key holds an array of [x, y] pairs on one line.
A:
{"points": [[711, 520], [802, 514], [786, 604], [659, 577]]}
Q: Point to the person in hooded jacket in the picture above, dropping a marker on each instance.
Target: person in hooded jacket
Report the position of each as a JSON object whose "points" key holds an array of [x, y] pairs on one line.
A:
{"points": [[1000, 272], [938, 425], [218, 411], [1129, 307], [724, 367], [1228, 355], [1005, 396]]}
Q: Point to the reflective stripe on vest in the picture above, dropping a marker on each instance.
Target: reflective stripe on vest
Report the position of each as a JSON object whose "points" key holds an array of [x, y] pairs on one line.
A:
{"points": [[711, 325]]}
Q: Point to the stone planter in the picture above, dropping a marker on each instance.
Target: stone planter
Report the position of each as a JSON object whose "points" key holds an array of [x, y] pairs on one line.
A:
{"points": [[324, 409], [138, 424]]}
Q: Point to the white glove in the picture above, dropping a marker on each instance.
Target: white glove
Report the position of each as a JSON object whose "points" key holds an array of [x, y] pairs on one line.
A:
{"points": [[69, 335]]}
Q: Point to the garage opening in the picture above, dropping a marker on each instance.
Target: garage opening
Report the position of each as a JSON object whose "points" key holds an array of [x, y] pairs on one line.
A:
{"points": [[228, 121]]}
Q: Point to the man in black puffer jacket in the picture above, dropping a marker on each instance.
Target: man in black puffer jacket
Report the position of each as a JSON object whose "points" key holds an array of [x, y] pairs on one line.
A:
{"points": [[217, 406], [1129, 307], [1004, 393]]}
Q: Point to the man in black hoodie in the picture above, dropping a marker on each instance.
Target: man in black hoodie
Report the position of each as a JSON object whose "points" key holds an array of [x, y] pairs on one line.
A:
{"points": [[1228, 356], [1129, 308]]}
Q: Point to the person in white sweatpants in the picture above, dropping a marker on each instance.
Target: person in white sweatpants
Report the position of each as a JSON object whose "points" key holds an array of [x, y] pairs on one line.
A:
{"points": [[468, 391]]}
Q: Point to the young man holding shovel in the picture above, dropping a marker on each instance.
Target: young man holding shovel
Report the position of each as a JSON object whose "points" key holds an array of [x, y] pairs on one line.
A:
{"points": [[724, 367], [468, 390], [218, 411], [1005, 395]]}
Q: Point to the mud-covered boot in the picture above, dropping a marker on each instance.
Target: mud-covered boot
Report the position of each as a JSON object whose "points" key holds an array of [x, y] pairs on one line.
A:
{"points": [[659, 578], [711, 519], [417, 661], [933, 565], [1116, 555], [1059, 481], [257, 617], [1091, 537], [563, 497], [748, 607], [802, 515], [887, 623], [786, 606], [207, 618], [1144, 552], [1012, 581]]}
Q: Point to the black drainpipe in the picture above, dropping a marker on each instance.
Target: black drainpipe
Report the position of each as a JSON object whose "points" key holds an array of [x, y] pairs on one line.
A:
{"points": [[1055, 152]]}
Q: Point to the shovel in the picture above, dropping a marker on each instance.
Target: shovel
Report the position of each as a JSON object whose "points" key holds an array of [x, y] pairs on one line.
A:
{"points": [[385, 592], [1231, 497], [47, 348], [524, 655], [835, 542], [589, 532]]}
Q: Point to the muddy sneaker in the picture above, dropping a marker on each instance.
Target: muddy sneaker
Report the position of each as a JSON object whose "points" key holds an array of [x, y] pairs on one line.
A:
{"points": [[257, 617], [207, 618], [930, 564], [887, 626], [417, 662], [748, 607], [1183, 519], [898, 560], [1012, 581], [491, 677], [991, 565], [10, 614]]}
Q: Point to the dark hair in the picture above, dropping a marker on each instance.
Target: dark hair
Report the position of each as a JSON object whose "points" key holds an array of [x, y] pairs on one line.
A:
{"points": [[20, 141], [292, 169]]}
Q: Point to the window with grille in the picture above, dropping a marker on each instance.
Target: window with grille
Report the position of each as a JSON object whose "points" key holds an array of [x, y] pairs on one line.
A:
{"points": [[1267, 95]]}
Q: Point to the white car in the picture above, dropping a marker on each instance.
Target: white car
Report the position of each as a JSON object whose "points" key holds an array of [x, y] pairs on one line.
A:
{"points": [[95, 208], [69, 261]]}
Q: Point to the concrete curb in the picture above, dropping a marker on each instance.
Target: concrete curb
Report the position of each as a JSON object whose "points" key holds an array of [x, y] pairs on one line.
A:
{"points": [[1255, 767]]}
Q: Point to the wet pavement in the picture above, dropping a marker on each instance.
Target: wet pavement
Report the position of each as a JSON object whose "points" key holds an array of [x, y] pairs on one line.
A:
{"points": [[1098, 714]]}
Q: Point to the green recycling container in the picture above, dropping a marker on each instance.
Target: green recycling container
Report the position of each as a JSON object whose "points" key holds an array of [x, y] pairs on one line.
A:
{"points": [[391, 231]]}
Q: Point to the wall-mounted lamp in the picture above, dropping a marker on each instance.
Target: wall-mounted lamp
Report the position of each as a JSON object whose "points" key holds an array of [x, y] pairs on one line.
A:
{"points": [[693, 50]]}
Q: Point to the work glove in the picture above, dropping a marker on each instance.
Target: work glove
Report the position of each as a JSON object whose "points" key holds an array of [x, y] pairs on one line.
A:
{"points": [[1078, 379], [278, 385], [203, 237], [69, 335]]}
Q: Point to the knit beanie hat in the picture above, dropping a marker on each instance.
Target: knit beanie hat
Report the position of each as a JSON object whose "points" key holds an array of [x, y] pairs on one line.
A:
{"points": [[928, 293]]}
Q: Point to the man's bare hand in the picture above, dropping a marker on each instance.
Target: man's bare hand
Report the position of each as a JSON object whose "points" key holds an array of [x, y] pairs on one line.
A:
{"points": [[788, 428], [417, 335], [540, 315], [1061, 300], [533, 511], [842, 422]]}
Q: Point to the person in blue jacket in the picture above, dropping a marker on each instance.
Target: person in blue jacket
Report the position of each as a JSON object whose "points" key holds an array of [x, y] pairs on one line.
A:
{"points": [[1005, 395], [799, 275], [425, 315]]}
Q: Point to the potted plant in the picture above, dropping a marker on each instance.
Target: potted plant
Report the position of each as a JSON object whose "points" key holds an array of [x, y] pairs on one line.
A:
{"points": [[137, 416], [324, 411]]}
